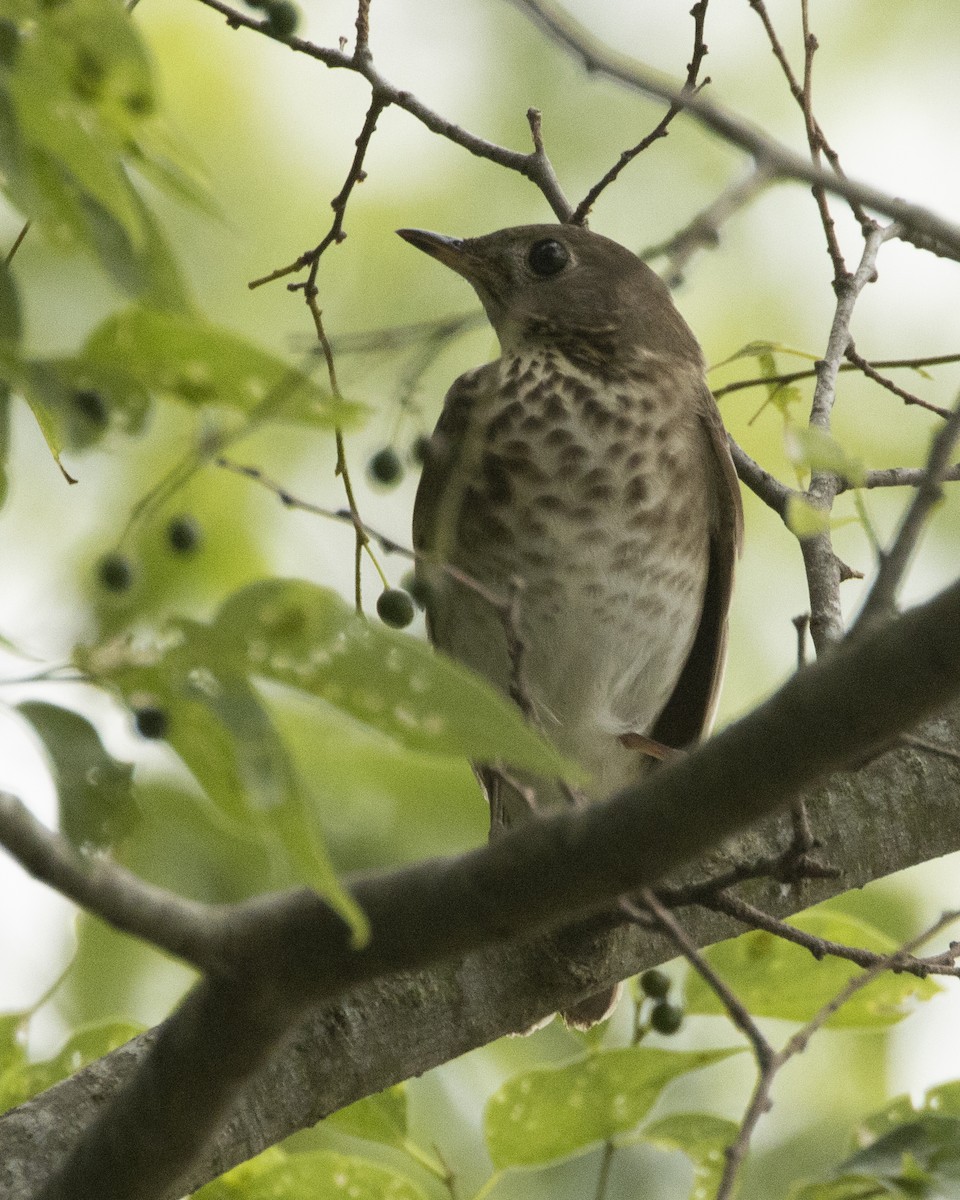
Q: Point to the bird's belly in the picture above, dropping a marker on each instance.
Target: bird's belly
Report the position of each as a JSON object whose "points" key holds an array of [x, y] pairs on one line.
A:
{"points": [[610, 566]]}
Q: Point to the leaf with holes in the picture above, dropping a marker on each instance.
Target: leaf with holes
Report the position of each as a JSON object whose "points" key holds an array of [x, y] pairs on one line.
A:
{"points": [[776, 978], [200, 364], [306, 637], [550, 1113], [703, 1138]]}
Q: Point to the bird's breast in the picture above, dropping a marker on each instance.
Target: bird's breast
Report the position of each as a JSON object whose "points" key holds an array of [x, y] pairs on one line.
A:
{"points": [[590, 493]]}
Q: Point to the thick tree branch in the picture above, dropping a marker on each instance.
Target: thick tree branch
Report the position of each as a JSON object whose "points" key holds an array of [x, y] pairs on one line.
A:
{"points": [[289, 952]]}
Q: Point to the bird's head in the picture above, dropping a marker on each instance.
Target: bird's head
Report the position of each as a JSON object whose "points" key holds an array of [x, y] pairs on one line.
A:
{"points": [[543, 283]]}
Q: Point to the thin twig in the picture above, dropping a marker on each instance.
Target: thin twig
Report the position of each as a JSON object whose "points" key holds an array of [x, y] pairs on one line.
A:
{"points": [[755, 918], [699, 14], [872, 373], [881, 601], [17, 242], [703, 231], [926, 229], [821, 564], [886, 477], [736, 1010], [770, 490], [760, 1100], [789, 377]]}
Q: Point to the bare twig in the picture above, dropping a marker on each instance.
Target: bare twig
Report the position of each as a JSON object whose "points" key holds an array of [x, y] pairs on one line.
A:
{"points": [[789, 377], [886, 477], [756, 918], [881, 601], [703, 231], [17, 242], [821, 564], [760, 1100], [736, 1010], [872, 373], [926, 229], [770, 490], [699, 14], [529, 165]]}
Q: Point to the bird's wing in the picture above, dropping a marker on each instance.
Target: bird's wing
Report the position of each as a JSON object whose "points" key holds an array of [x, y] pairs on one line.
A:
{"points": [[689, 712], [436, 508]]}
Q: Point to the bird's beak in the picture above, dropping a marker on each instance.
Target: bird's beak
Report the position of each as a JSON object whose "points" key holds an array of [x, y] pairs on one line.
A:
{"points": [[448, 250]]}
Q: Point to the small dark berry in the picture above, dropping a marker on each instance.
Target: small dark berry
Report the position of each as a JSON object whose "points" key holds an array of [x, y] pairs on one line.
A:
{"points": [[151, 722], [655, 983], [418, 588], [420, 449], [666, 1018], [394, 607], [183, 534], [385, 467], [90, 405], [282, 18], [140, 103], [115, 572]]}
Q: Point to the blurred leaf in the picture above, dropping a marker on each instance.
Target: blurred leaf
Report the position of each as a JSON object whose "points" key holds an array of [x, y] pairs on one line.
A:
{"points": [[703, 1138], [804, 519], [943, 1101], [199, 363], [764, 351], [65, 88], [93, 788], [219, 726], [313, 1175], [380, 1118], [84, 1046], [775, 978], [812, 449], [13, 1058], [553, 1112], [919, 1161], [79, 108], [307, 637]]}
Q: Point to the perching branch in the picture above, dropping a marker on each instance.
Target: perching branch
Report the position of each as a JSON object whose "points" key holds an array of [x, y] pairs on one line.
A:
{"points": [[284, 953]]}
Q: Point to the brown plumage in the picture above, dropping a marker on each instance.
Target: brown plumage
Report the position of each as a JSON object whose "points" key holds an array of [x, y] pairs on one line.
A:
{"points": [[590, 463]]}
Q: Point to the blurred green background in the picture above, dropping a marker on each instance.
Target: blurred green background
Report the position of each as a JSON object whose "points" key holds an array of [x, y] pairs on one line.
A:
{"points": [[274, 132]]}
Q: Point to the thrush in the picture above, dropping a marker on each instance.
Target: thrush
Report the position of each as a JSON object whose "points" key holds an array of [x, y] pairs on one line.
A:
{"points": [[586, 468]]}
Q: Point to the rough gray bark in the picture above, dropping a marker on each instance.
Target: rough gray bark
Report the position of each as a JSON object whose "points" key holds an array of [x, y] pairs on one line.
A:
{"points": [[899, 810]]}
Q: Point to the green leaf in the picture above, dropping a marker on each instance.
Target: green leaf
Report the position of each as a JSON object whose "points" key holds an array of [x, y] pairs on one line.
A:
{"points": [[703, 1138], [313, 1175], [775, 978], [84, 1046], [198, 363], [380, 1118], [74, 49], [13, 1059], [812, 449], [553, 1112], [919, 1160], [764, 351], [94, 789], [217, 723], [308, 638], [943, 1101]]}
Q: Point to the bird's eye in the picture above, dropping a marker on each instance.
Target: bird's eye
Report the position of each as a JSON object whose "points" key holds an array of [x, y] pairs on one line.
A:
{"points": [[547, 257]]}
